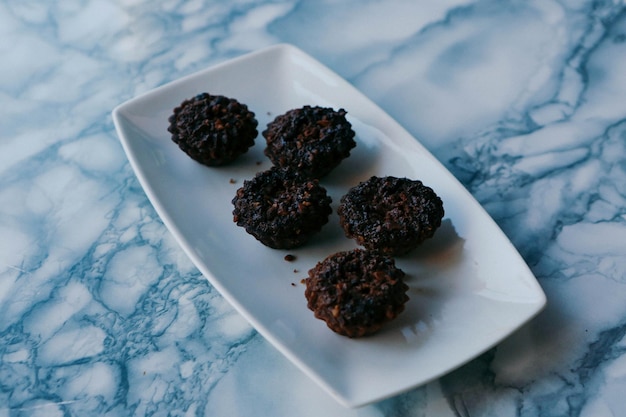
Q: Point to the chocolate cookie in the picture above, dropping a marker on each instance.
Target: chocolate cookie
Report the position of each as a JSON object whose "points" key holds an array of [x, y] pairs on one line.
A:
{"points": [[281, 208], [390, 215], [310, 140], [213, 130], [356, 292]]}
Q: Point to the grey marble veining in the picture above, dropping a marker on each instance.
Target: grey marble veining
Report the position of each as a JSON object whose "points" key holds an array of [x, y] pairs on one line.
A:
{"points": [[102, 314]]}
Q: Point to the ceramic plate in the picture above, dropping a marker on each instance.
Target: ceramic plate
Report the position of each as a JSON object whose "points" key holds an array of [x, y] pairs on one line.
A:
{"points": [[469, 287]]}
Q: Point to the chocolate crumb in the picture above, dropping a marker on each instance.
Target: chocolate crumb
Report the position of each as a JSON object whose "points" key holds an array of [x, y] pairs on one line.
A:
{"points": [[232, 181], [295, 271], [290, 258], [293, 284]]}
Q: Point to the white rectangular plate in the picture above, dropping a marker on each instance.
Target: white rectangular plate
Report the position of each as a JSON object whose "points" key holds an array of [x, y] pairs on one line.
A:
{"points": [[469, 287]]}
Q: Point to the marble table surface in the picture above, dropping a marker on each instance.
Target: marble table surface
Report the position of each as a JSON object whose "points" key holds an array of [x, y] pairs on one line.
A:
{"points": [[101, 313]]}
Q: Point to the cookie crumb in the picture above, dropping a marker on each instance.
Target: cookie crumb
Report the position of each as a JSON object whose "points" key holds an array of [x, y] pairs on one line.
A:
{"points": [[290, 258]]}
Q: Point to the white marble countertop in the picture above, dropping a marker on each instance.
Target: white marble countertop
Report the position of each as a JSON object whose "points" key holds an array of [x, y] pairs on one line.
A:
{"points": [[101, 313]]}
